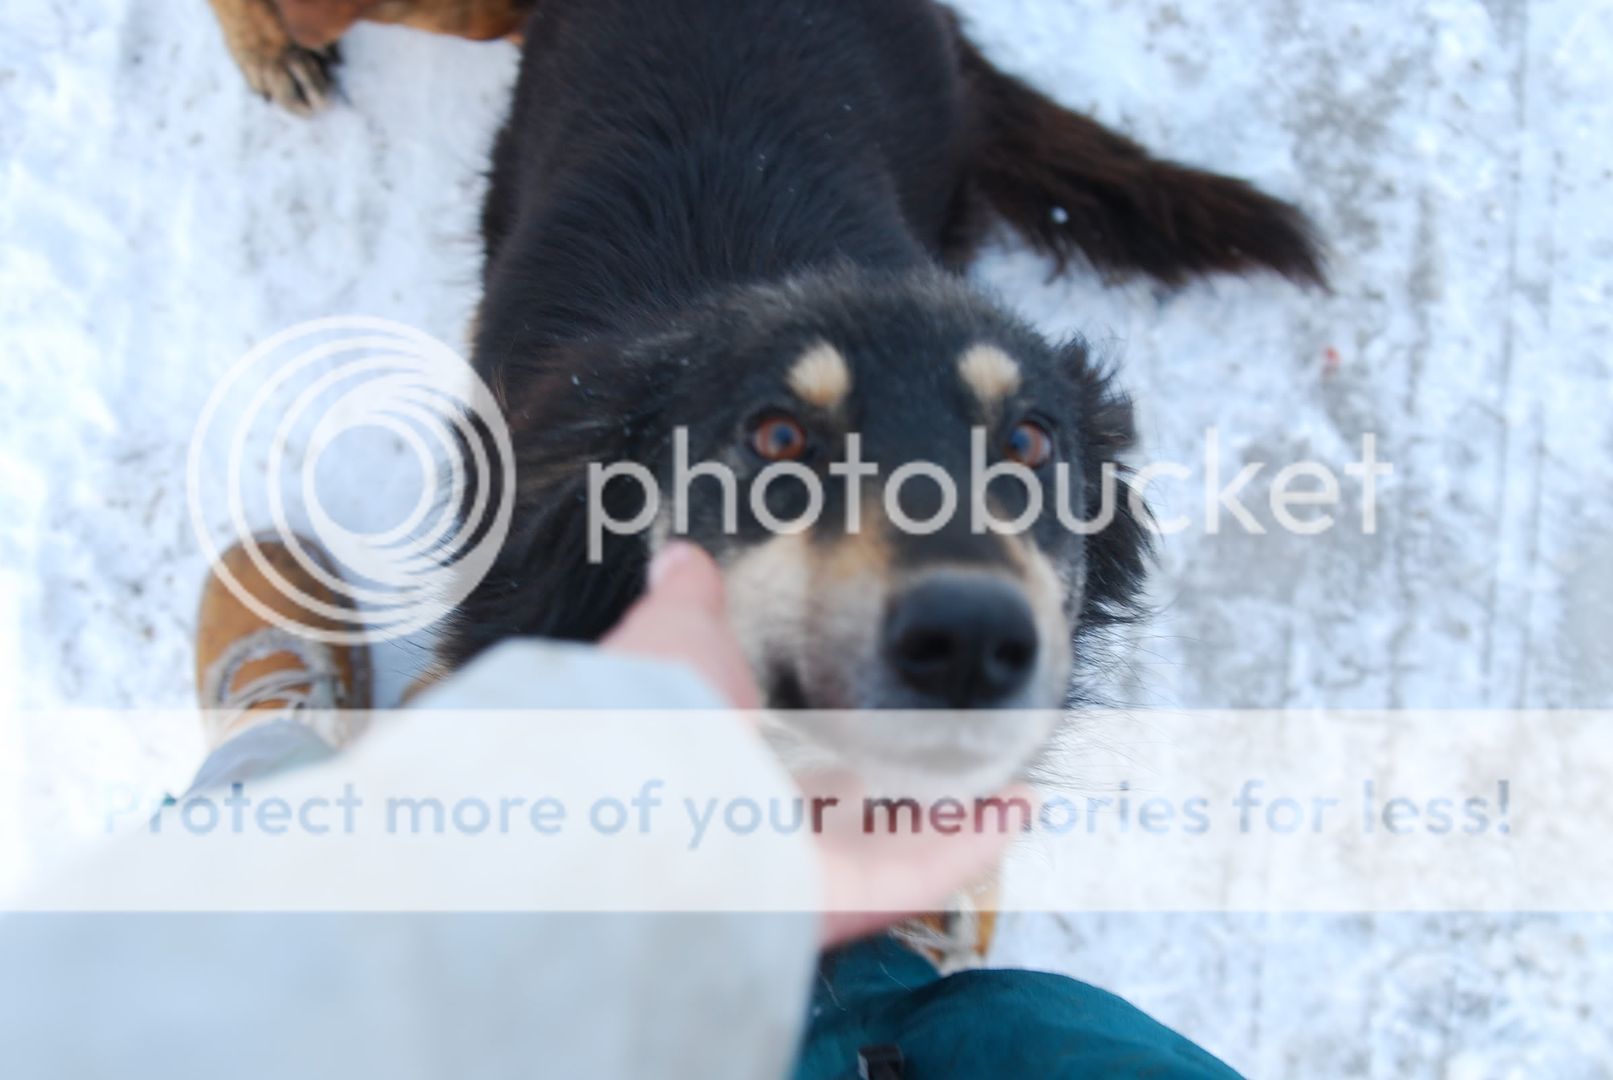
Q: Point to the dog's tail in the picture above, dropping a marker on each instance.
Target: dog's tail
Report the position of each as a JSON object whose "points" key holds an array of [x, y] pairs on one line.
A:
{"points": [[1071, 185]]}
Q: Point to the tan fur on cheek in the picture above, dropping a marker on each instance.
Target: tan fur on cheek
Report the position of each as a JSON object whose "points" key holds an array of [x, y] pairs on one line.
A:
{"points": [[848, 597], [821, 377], [1046, 591], [991, 374], [864, 553], [812, 608], [767, 587], [851, 585]]}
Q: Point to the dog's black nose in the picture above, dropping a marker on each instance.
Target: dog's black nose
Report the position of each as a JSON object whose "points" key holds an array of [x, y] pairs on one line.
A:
{"points": [[962, 641]]}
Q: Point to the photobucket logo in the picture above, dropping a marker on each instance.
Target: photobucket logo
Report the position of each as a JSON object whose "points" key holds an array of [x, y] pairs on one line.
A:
{"points": [[285, 410], [1303, 498]]}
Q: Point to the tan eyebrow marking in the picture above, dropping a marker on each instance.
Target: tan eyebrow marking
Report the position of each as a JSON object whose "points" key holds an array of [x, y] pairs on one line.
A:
{"points": [[990, 373], [821, 377]]}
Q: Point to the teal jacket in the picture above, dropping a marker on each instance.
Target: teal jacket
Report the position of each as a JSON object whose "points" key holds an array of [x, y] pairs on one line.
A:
{"points": [[883, 1003]]}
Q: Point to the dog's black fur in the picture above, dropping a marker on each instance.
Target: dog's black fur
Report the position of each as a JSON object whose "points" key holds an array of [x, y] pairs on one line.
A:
{"points": [[688, 193]]}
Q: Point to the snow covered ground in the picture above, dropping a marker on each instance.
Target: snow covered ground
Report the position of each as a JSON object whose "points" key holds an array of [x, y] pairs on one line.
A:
{"points": [[156, 221]]}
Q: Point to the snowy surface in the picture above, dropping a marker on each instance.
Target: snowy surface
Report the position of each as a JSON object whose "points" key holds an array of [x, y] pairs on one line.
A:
{"points": [[156, 220]]}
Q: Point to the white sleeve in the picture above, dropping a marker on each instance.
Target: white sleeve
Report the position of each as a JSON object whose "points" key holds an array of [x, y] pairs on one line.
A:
{"points": [[681, 981]]}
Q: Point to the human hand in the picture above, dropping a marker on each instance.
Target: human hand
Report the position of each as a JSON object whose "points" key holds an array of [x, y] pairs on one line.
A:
{"points": [[682, 618], [871, 880], [876, 879]]}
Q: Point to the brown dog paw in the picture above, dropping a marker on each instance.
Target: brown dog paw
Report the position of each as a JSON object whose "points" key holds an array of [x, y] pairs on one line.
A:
{"points": [[298, 79]]}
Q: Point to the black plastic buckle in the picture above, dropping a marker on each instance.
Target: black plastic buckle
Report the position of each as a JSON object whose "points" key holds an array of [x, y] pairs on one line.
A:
{"points": [[883, 1062]]}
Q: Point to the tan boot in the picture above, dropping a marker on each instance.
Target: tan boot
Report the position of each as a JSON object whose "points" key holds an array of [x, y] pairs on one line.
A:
{"points": [[251, 669]]}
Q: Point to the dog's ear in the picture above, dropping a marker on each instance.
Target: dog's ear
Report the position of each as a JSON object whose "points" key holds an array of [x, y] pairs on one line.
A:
{"points": [[1117, 554], [547, 580]]}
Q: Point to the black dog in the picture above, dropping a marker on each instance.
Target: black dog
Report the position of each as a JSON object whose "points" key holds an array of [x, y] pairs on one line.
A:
{"points": [[739, 218]]}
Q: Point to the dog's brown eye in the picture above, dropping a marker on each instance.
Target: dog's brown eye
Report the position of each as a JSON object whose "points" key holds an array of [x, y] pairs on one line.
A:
{"points": [[1029, 445], [779, 438]]}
